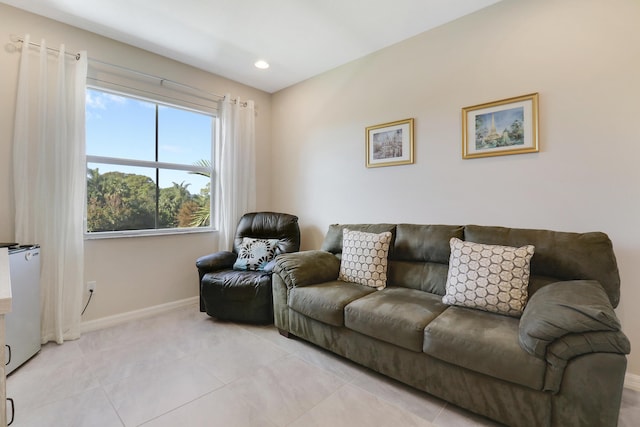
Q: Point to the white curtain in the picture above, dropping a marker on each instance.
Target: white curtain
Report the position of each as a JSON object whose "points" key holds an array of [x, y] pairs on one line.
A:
{"points": [[49, 180], [236, 166]]}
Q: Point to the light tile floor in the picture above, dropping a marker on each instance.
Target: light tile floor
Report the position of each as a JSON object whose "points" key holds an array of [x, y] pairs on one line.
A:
{"points": [[183, 368]]}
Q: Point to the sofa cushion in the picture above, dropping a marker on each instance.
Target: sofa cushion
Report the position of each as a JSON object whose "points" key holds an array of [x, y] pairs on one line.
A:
{"points": [[489, 277], [242, 296], [232, 285], [255, 254], [325, 302], [563, 255], [483, 342], [364, 258], [395, 315]]}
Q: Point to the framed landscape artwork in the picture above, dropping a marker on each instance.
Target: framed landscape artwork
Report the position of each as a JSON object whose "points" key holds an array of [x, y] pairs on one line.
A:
{"points": [[508, 126], [390, 144]]}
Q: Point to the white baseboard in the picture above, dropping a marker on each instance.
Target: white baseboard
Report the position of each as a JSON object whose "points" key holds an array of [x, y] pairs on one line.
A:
{"points": [[632, 381], [105, 322]]}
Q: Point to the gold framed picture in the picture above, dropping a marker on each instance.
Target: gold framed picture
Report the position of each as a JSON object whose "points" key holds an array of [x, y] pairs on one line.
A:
{"points": [[508, 126], [389, 144]]}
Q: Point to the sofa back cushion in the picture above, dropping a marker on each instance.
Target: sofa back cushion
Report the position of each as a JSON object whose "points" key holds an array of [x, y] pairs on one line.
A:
{"points": [[424, 276], [421, 256], [561, 255], [428, 243], [333, 239]]}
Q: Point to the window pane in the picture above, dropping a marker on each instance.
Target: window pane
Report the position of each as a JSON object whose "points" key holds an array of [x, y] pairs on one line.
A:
{"points": [[184, 199], [140, 189], [183, 136], [120, 198], [118, 126]]}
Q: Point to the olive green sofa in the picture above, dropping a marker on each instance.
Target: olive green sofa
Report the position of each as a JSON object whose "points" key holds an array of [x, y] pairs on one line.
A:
{"points": [[562, 363]]}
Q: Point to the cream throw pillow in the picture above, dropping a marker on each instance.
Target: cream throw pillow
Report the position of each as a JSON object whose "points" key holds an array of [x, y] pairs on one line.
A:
{"points": [[488, 277], [364, 258]]}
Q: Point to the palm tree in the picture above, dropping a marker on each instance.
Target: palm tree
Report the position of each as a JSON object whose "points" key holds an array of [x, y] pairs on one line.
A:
{"points": [[202, 216]]}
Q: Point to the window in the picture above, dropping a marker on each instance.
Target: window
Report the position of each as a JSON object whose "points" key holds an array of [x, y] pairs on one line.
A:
{"points": [[148, 165]]}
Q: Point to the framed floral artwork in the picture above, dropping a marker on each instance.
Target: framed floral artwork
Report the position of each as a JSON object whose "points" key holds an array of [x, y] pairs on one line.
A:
{"points": [[389, 144], [508, 126]]}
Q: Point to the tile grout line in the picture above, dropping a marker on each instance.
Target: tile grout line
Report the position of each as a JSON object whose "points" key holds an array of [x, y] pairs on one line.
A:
{"points": [[395, 405], [113, 406], [182, 405], [440, 412], [317, 404]]}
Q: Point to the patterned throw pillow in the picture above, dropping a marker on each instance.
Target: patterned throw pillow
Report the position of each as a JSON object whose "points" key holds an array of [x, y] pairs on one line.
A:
{"points": [[488, 277], [364, 258], [255, 254]]}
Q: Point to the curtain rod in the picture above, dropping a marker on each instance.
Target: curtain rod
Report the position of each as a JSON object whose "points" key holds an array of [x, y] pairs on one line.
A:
{"points": [[154, 94], [162, 80], [18, 39]]}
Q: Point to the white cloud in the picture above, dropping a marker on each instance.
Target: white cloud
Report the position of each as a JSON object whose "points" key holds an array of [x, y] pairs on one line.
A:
{"points": [[100, 100], [115, 98], [93, 102]]}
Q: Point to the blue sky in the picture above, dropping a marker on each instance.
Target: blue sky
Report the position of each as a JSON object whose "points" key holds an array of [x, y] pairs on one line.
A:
{"points": [[118, 126]]}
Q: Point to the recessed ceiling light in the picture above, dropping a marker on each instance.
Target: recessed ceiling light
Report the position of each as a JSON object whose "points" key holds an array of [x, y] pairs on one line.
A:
{"points": [[263, 65]]}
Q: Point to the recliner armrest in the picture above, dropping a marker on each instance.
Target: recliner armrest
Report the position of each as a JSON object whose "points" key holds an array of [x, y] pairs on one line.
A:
{"points": [[307, 268], [216, 261]]}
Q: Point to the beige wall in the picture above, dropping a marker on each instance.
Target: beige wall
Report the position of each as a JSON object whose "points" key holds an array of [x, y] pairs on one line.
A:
{"points": [[131, 273], [581, 56]]}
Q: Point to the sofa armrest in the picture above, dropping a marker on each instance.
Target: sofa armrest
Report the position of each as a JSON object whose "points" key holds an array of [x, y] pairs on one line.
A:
{"points": [[307, 268], [216, 261], [561, 318], [564, 349], [573, 345]]}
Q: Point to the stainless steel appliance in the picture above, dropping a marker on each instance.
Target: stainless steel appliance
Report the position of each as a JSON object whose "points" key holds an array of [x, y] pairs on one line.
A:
{"points": [[22, 324]]}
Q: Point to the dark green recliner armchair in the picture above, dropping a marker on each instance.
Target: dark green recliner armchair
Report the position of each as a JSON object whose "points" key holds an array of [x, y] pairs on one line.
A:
{"points": [[236, 285]]}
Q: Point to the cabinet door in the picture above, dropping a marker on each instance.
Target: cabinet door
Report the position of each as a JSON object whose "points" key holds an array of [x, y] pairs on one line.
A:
{"points": [[22, 324], [3, 377]]}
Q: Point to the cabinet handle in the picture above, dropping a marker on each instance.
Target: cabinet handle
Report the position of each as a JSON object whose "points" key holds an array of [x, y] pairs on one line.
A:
{"points": [[9, 351], [13, 410]]}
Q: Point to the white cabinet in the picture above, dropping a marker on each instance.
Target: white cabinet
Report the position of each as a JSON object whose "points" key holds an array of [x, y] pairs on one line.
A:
{"points": [[22, 325], [5, 307]]}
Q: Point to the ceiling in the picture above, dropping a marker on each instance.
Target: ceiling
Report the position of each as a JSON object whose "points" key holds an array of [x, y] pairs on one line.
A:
{"points": [[299, 38]]}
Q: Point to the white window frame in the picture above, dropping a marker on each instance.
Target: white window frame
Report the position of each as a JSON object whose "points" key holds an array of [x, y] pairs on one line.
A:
{"points": [[212, 227]]}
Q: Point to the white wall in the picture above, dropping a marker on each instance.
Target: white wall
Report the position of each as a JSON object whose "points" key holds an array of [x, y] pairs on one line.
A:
{"points": [[581, 56], [131, 273]]}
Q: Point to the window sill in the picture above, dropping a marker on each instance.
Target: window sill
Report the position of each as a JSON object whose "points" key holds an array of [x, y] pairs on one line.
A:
{"points": [[146, 233]]}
